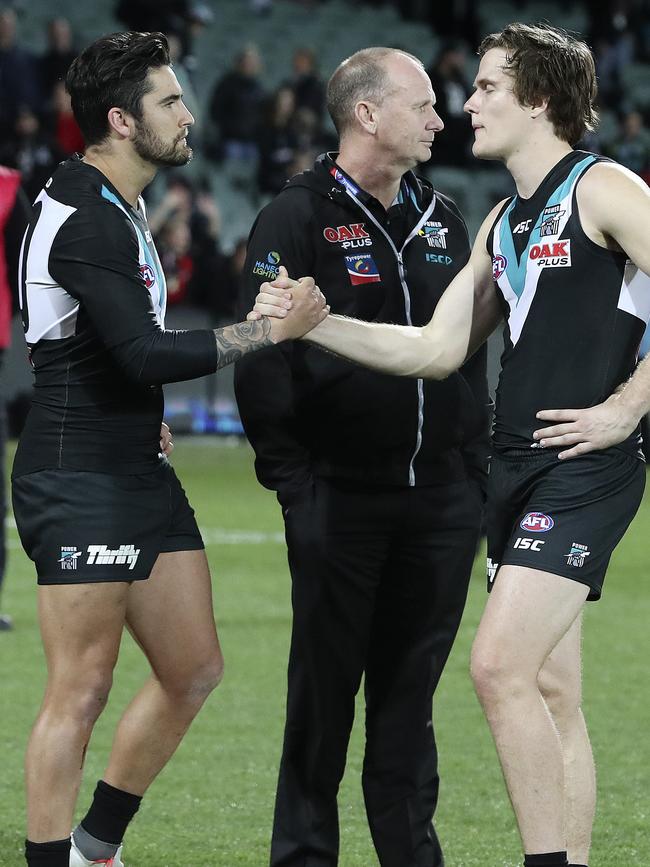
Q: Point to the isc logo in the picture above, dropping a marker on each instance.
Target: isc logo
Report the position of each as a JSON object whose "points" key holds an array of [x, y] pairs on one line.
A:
{"points": [[537, 522], [532, 544]]}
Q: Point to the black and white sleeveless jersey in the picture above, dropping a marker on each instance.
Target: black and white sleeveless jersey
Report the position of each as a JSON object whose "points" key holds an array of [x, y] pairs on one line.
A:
{"points": [[575, 312], [92, 295]]}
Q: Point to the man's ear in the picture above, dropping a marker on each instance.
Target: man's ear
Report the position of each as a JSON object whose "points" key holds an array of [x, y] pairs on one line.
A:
{"points": [[366, 115], [120, 122]]}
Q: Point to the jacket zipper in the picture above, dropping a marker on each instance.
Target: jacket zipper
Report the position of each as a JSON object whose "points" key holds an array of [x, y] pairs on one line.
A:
{"points": [[407, 310]]}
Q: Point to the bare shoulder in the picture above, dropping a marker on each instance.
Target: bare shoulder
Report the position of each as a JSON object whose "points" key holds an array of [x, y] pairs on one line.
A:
{"points": [[604, 177], [611, 198], [605, 182]]}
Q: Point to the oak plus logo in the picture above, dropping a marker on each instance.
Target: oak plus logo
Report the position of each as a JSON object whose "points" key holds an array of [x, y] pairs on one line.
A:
{"points": [[554, 255], [352, 235]]}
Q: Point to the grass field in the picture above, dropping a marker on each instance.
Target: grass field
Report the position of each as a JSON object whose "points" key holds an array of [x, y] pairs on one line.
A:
{"points": [[212, 806]]}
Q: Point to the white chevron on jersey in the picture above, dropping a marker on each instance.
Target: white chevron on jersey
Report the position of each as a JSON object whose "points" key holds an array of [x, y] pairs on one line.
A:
{"points": [[521, 302], [52, 312]]}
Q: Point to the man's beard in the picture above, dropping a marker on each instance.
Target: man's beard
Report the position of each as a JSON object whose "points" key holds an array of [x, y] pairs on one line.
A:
{"points": [[154, 150]]}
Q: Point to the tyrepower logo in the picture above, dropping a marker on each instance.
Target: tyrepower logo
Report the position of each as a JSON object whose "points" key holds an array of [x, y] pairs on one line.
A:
{"points": [[555, 255], [537, 522], [353, 235]]}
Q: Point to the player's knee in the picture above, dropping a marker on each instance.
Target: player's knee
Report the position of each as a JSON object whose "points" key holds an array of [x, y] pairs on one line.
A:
{"points": [[83, 698], [561, 694], [493, 677], [197, 684]]}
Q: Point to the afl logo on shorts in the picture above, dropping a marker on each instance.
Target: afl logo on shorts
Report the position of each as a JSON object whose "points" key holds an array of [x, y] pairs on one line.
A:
{"points": [[499, 265], [537, 522], [146, 272]]}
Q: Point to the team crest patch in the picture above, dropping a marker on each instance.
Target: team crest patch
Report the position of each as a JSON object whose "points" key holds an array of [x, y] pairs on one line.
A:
{"points": [[499, 265], [550, 224], [577, 555], [69, 557], [435, 234], [362, 269], [146, 272]]}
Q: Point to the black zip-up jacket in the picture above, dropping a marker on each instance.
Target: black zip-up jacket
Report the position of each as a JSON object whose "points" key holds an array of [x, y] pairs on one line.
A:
{"points": [[308, 413]]}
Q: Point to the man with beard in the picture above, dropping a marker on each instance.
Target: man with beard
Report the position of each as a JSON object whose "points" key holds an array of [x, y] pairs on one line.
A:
{"points": [[98, 507]]}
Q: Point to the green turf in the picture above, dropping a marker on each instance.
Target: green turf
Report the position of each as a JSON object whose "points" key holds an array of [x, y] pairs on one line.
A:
{"points": [[212, 806]]}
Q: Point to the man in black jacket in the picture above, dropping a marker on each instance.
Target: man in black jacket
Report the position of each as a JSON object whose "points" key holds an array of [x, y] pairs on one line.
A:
{"points": [[380, 478]]}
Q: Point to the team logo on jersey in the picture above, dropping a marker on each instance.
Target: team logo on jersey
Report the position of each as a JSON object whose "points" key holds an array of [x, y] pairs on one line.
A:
{"points": [[537, 522], [435, 234], [362, 269], [550, 224], [499, 265], [269, 267], [146, 272], [492, 567], [69, 557], [577, 555], [352, 235], [438, 258], [102, 555], [555, 255]]}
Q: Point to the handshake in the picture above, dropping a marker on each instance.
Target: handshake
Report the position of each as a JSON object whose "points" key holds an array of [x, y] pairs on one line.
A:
{"points": [[293, 307]]}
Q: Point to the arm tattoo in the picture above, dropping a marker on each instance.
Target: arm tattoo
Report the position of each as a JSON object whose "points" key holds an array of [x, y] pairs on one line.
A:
{"points": [[235, 341]]}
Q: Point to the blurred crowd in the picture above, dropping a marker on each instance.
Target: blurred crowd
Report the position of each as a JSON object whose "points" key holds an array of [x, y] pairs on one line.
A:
{"points": [[257, 137]]}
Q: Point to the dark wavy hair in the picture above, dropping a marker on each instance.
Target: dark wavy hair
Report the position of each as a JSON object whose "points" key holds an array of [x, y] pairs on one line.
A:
{"points": [[112, 72], [549, 63]]}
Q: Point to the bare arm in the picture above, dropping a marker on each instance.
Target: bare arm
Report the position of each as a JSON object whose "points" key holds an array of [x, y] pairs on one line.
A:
{"points": [[466, 314], [615, 212]]}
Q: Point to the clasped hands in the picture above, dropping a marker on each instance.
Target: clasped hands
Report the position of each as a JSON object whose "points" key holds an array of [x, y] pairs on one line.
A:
{"points": [[299, 302]]}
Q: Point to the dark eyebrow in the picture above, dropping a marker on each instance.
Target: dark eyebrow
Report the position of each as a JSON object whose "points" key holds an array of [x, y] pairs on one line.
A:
{"points": [[172, 97]]}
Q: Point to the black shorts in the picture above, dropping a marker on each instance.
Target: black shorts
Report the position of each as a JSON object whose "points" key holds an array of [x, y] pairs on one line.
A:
{"points": [[563, 517], [81, 527]]}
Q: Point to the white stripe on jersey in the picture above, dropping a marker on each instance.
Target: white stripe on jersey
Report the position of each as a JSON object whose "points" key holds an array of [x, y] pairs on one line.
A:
{"points": [[52, 312], [635, 292]]}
